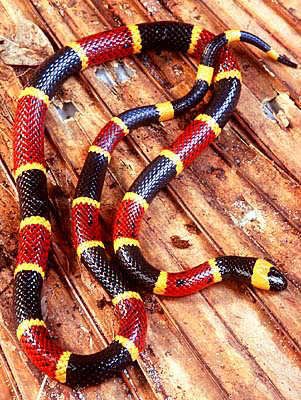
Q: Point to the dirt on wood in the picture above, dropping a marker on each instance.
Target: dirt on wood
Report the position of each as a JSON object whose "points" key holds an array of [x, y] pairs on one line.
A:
{"points": [[241, 197]]}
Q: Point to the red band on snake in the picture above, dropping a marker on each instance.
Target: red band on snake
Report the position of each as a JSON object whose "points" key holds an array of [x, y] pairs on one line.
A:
{"points": [[30, 164]]}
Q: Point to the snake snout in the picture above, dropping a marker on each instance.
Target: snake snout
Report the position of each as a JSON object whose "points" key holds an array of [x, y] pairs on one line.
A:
{"points": [[277, 280]]}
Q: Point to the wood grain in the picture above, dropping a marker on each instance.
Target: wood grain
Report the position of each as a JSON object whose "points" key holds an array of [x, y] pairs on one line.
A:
{"points": [[241, 197]]}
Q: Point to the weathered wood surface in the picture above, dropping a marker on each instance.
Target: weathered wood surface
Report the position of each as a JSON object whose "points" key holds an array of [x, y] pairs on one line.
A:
{"points": [[241, 197]]}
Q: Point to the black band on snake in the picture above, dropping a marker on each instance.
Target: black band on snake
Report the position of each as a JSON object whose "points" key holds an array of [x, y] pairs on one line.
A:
{"points": [[188, 146], [30, 170]]}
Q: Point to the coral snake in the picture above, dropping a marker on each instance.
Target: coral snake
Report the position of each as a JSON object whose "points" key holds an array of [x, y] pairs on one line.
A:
{"points": [[30, 175]]}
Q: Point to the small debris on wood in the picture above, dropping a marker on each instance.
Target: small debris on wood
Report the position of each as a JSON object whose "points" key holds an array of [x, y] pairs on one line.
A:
{"points": [[180, 243]]}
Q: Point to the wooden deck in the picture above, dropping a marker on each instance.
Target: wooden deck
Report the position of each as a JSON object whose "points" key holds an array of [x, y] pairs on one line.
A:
{"points": [[241, 197]]}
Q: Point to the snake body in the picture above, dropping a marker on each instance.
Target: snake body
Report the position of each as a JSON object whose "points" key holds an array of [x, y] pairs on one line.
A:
{"points": [[30, 175], [197, 136]]}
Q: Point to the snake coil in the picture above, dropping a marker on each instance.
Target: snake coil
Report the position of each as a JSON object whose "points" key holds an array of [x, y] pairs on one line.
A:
{"points": [[30, 175]]}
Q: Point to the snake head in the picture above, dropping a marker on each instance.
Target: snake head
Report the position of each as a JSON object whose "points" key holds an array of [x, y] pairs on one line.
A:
{"points": [[266, 276], [277, 280]]}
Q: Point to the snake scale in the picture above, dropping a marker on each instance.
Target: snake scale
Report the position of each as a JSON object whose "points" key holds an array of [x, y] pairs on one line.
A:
{"points": [[217, 66]]}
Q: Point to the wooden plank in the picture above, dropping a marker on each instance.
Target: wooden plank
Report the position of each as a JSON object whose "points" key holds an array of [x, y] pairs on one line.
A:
{"points": [[273, 138], [249, 328], [117, 388], [8, 388], [83, 290], [83, 339], [103, 321], [145, 145], [289, 9]]}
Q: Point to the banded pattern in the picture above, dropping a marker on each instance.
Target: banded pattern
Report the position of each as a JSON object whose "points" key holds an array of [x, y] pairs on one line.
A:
{"points": [[171, 162], [85, 217], [203, 130], [30, 174]]}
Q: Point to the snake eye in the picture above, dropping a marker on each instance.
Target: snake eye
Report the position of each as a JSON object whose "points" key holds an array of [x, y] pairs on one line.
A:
{"points": [[277, 280]]}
